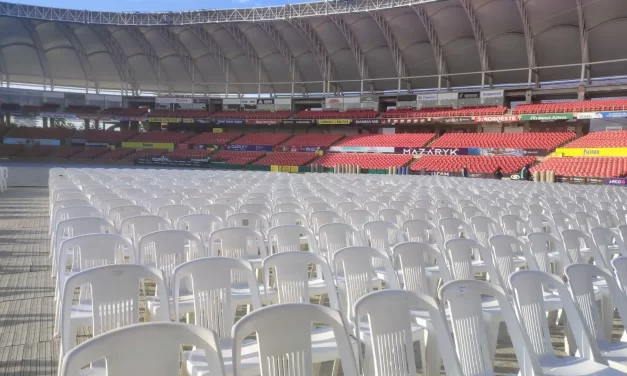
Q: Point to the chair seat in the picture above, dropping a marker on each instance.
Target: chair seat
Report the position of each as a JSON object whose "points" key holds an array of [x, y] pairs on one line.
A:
{"points": [[575, 366], [614, 352]]}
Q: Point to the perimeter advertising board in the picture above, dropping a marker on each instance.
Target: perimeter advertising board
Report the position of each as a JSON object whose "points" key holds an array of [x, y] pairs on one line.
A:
{"points": [[31, 141], [592, 152], [151, 145], [248, 147], [431, 151], [362, 149], [547, 117], [165, 161]]}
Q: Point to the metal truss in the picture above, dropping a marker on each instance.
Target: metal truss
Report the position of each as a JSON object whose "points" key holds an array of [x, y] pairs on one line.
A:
{"points": [[214, 50], [41, 54], [250, 53], [318, 49], [124, 68], [482, 47], [397, 54], [438, 52], [583, 37], [183, 53], [284, 49], [321, 8], [531, 51], [83, 58], [360, 58], [155, 62]]}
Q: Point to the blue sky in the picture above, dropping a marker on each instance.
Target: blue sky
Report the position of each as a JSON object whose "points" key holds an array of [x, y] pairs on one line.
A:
{"points": [[153, 5]]}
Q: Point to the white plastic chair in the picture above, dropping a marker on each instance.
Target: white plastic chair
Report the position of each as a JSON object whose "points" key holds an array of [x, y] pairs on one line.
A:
{"points": [[174, 212], [288, 238], [287, 218], [323, 217], [394, 216], [138, 226], [120, 213], [358, 217], [242, 243], [335, 236], [200, 224], [153, 204], [145, 349], [56, 206], [293, 340], [219, 210]]}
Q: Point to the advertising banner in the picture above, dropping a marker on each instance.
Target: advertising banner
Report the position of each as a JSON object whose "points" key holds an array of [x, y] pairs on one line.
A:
{"points": [[98, 143], [164, 120], [361, 149], [438, 173], [496, 119], [31, 141], [172, 100], [615, 181], [230, 121], [145, 145], [596, 152], [427, 97], [334, 121], [594, 181], [431, 151], [485, 94], [298, 122], [262, 122], [614, 114], [369, 99], [588, 115], [165, 161], [547, 117], [55, 115], [469, 95], [366, 121], [131, 118], [454, 120], [407, 121], [265, 101], [249, 147], [78, 141], [203, 146], [507, 152]]}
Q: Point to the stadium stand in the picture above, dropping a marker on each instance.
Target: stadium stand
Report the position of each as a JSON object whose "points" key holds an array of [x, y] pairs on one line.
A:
{"points": [[603, 139], [271, 139], [112, 137], [388, 140], [579, 106], [117, 153], [336, 114], [369, 161], [10, 106], [445, 112], [287, 159], [187, 114], [161, 137], [63, 152], [320, 140], [210, 138], [144, 153], [477, 164], [116, 111], [544, 141], [237, 157], [274, 115], [593, 167], [37, 151], [42, 133], [9, 150], [83, 109], [189, 153], [90, 152]]}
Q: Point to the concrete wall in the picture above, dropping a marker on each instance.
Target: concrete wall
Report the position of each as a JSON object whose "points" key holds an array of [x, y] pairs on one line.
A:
{"points": [[28, 176]]}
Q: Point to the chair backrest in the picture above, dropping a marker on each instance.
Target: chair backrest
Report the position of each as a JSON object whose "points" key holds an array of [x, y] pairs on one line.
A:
{"points": [[335, 236], [256, 208], [459, 254], [77, 212], [161, 344], [357, 217], [464, 298], [287, 238], [107, 205], [211, 280], [291, 271], [284, 332], [514, 225], [607, 219], [138, 226], [153, 204], [196, 202], [504, 249], [484, 228], [322, 217], [620, 270], [609, 243], [392, 333], [528, 288], [394, 216], [289, 207], [455, 228], [574, 243], [421, 213], [287, 218], [120, 213], [424, 231], [586, 221], [200, 224], [237, 242], [114, 291], [220, 210], [414, 258], [81, 226], [174, 212], [382, 235]]}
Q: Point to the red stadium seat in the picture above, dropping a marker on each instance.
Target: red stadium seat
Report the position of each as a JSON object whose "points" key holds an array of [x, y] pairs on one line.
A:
{"points": [[214, 138], [445, 112], [64, 152], [337, 114], [162, 137], [544, 141], [286, 159], [605, 139], [312, 139], [42, 133], [388, 140], [369, 161], [477, 164], [237, 157], [144, 153], [10, 150], [575, 106], [189, 153], [37, 151], [118, 153], [593, 167], [256, 114], [90, 152], [269, 139], [185, 114]]}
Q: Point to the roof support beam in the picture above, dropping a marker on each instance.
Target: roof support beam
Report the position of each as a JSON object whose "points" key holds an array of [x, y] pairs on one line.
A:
{"points": [[438, 51], [4, 74], [395, 50], [583, 37], [78, 48], [155, 62], [482, 46], [531, 52], [250, 53], [284, 50], [41, 54], [214, 50], [319, 51], [188, 62], [360, 58], [124, 68]]}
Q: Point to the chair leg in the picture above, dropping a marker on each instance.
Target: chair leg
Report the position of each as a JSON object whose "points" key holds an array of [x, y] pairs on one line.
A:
{"points": [[607, 312], [337, 364], [430, 355], [493, 336]]}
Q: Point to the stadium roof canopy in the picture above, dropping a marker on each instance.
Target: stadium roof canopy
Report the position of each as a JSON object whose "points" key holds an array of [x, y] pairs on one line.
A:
{"points": [[348, 46]]}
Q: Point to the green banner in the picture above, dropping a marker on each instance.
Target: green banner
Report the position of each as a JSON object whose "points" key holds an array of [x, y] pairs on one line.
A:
{"points": [[547, 117]]}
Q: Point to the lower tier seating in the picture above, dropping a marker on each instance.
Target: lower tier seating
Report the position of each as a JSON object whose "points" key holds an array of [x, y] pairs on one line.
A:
{"points": [[388, 140], [604, 139], [544, 141], [65, 151], [214, 138], [576, 106], [590, 167], [37, 151], [477, 164], [117, 153], [369, 161], [313, 139], [336, 114], [286, 159], [9, 150], [90, 152], [189, 153], [164, 137], [271, 139], [274, 115], [445, 112], [144, 153], [237, 157]]}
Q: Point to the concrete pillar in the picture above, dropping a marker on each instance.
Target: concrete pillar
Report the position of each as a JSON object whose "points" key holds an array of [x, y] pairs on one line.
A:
{"points": [[529, 96], [45, 122], [86, 123], [581, 93], [134, 125], [97, 124]]}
